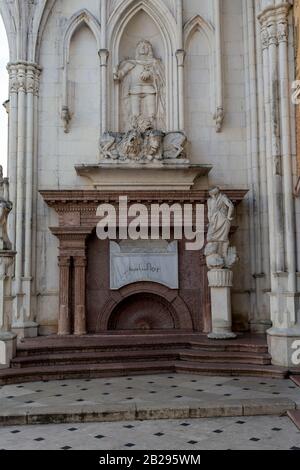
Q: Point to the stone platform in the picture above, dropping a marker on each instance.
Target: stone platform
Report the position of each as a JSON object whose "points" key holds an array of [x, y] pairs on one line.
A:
{"points": [[153, 397]]}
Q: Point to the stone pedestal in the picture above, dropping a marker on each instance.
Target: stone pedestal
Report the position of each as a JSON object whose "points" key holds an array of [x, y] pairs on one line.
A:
{"points": [[8, 340], [220, 283], [8, 348]]}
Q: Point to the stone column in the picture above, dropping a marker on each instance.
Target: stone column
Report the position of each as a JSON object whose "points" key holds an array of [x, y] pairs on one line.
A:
{"points": [[220, 113], [79, 313], [23, 89], [284, 297], [104, 55], [64, 317], [220, 283], [72, 267], [180, 55], [12, 145]]}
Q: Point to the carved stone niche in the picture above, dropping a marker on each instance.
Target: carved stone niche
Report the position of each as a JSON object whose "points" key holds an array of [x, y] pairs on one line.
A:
{"points": [[144, 156]]}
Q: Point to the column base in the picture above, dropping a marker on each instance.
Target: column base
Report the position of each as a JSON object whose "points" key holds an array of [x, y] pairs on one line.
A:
{"points": [[26, 330], [8, 349], [219, 336], [260, 327], [284, 347]]}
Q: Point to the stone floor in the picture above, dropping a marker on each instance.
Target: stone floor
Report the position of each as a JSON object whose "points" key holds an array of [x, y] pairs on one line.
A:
{"points": [[157, 389], [264, 433], [174, 391]]}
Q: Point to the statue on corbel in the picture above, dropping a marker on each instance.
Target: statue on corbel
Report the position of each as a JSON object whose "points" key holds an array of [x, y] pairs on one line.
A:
{"points": [[219, 118], [142, 90], [142, 83], [66, 117]]}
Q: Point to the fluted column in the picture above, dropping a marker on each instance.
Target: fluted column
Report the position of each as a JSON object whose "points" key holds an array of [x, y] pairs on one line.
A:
{"points": [[12, 146], [64, 317], [24, 85], [284, 99], [284, 298], [80, 313]]}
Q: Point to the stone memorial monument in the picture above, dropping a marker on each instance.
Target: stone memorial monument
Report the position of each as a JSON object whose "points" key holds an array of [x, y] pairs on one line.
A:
{"points": [[220, 258]]}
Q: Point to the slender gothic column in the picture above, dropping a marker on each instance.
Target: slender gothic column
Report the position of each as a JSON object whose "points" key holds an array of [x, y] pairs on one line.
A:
{"points": [[20, 177], [180, 55], [289, 209], [64, 317], [12, 146], [104, 55], [79, 313], [220, 113]]}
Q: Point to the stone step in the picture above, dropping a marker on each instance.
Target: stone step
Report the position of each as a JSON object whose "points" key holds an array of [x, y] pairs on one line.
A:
{"points": [[138, 356], [248, 370], [129, 342], [226, 357], [72, 358], [142, 411], [86, 371]]}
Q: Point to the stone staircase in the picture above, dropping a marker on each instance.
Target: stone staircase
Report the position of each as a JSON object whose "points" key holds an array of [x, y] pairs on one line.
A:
{"points": [[107, 355]]}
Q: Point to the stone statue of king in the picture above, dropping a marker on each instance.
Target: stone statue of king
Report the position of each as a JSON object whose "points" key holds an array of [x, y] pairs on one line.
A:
{"points": [[143, 85]]}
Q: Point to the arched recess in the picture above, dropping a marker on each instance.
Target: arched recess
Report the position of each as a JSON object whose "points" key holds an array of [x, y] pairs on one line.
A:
{"points": [[166, 24], [79, 19], [42, 11], [4, 59], [169, 298], [200, 83], [9, 22]]}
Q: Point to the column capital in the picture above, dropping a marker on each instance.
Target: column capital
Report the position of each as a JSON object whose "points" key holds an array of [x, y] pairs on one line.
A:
{"points": [[64, 261], [274, 24], [80, 261], [24, 77]]}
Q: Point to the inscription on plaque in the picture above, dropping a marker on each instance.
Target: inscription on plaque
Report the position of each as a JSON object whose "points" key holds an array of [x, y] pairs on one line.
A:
{"points": [[143, 261]]}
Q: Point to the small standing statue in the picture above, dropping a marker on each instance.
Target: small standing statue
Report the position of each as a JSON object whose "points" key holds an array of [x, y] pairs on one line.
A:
{"points": [[220, 258], [5, 209], [220, 216]]}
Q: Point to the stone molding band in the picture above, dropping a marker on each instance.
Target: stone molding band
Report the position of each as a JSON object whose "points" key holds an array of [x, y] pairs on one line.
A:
{"points": [[274, 25]]}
